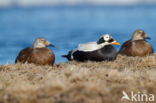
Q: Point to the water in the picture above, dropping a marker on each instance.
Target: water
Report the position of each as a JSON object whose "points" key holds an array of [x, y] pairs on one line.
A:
{"points": [[67, 26]]}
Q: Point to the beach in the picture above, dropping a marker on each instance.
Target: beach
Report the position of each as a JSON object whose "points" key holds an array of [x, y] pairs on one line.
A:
{"points": [[78, 82]]}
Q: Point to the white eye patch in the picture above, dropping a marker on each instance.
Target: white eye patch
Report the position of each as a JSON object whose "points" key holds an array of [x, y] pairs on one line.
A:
{"points": [[106, 37]]}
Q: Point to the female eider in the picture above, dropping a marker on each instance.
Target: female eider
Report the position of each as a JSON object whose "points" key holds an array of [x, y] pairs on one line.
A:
{"points": [[137, 46], [95, 51], [39, 54]]}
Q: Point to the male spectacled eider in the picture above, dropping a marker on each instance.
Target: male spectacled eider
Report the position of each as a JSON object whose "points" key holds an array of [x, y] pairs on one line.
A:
{"points": [[95, 51], [39, 54], [137, 46]]}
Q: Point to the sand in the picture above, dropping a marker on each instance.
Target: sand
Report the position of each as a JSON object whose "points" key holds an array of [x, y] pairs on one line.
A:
{"points": [[77, 82]]}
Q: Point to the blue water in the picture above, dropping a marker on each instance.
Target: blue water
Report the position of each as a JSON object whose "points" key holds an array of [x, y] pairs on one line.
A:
{"points": [[67, 26]]}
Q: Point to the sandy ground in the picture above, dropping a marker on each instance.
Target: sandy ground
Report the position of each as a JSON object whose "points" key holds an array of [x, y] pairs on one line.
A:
{"points": [[77, 82]]}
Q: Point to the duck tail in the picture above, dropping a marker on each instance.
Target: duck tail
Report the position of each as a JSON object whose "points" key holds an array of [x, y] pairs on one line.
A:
{"points": [[68, 56], [64, 56]]}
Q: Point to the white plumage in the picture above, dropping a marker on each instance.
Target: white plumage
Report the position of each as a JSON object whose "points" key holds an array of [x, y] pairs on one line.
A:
{"points": [[91, 46]]}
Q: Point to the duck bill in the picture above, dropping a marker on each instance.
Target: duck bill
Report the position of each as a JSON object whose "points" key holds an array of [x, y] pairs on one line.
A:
{"points": [[51, 45], [148, 38], [116, 43]]}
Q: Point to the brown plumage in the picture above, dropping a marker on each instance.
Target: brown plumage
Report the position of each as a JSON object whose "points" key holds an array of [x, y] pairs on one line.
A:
{"points": [[39, 54], [137, 46]]}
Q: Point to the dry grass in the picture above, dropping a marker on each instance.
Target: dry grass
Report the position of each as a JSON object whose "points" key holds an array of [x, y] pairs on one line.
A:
{"points": [[75, 82]]}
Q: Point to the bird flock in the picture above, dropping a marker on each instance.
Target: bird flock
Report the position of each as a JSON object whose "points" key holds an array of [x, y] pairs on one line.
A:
{"points": [[102, 50]]}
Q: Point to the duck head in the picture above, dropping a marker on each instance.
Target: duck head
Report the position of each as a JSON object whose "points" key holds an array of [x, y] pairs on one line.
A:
{"points": [[140, 35], [41, 43], [107, 39]]}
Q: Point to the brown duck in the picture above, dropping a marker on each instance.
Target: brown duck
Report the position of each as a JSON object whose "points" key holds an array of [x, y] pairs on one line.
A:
{"points": [[137, 46], [39, 54]]}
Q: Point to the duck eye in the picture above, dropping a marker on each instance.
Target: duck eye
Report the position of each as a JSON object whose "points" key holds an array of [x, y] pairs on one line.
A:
{"points": [[106, 38], [140, 32], [42, 39]]}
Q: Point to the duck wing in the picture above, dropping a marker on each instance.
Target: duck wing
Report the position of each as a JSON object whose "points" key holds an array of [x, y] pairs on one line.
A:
{"points": [[125, 46], [23, 55], [91, 46]]}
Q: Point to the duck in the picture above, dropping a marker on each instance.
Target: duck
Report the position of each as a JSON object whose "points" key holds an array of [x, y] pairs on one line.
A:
{"points": [[137, 45], [39, 54], [102, 50]]}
